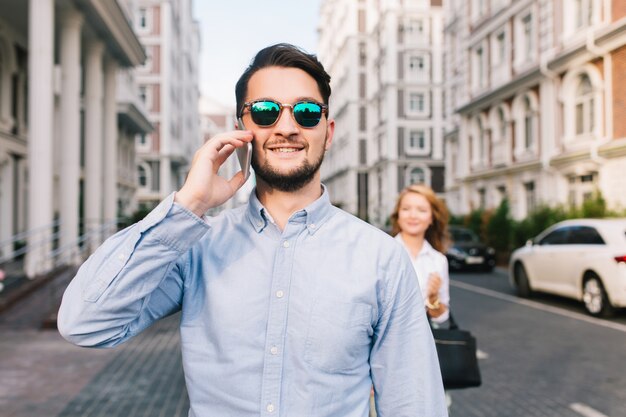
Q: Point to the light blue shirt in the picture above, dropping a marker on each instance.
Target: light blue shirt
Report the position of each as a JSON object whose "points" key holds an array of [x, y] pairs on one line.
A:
{"points": [[298, 323]]}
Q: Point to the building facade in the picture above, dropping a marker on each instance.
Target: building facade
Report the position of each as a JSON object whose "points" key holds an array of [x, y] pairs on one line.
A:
{"points": [[385, 58], [168, 83], [68, 118], [535, 103]]}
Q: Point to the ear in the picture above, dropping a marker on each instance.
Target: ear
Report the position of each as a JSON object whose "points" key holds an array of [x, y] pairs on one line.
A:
{"points": [[330, 131]]}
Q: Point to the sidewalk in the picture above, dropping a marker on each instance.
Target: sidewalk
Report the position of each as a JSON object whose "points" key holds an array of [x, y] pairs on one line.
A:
{"points": [[43, 375]]}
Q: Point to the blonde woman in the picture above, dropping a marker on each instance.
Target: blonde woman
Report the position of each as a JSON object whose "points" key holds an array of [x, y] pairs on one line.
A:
{"points": [[419, 222]]}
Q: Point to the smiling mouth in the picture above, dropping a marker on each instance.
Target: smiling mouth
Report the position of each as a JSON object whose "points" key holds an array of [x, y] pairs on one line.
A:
{"points": [[286, 150]]}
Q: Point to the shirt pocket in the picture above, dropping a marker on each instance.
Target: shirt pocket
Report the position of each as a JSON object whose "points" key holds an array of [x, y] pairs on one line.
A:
{"points": [[339, 336]]}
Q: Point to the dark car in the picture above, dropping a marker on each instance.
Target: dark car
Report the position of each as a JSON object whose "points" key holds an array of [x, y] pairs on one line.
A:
{"points": [[466, 251]]}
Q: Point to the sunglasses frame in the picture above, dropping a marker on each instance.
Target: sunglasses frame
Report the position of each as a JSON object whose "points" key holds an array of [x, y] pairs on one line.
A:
{"points": [[248, 105]]}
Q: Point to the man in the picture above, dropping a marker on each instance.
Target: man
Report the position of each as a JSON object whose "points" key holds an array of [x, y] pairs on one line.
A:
{"points": [[290, 306]]}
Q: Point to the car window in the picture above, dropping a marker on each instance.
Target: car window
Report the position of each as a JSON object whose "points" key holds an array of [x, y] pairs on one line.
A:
{"points": [[463, 235], [584, 235], [556, 237]]}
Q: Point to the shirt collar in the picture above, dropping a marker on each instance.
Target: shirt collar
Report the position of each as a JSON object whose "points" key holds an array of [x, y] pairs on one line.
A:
{"points": [[426, 250], [315, 213]]}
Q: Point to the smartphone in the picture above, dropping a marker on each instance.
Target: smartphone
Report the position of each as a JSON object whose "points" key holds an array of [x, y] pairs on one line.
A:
{"points": [[244, 153]]}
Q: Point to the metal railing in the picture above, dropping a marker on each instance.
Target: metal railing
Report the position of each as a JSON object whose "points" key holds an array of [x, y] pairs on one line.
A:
{"points": [[16, 248]]}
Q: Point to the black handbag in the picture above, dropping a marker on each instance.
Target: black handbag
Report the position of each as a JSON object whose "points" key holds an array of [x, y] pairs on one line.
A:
{"points": [[456, 349]]}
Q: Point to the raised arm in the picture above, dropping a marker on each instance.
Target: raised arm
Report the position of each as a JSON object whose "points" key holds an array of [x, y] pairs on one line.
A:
{"points": [[137, 275]]}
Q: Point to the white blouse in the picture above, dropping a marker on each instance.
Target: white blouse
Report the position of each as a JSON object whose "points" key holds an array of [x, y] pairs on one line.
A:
{"points": [[429, 260]]}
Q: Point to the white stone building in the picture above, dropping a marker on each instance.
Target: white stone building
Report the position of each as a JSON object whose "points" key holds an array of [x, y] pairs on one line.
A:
{"points": [[385, 58], [68, 117], [169, 87], [534, 103]]}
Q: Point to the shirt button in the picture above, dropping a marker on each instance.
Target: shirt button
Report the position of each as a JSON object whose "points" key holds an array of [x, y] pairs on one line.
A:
{"points": [[121, 256], [270, 408], [280, 294], [274, 350], [285, 244], [312, 226]]}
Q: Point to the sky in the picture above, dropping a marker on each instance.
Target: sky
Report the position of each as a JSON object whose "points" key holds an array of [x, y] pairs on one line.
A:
{"points": [[233, 31]]}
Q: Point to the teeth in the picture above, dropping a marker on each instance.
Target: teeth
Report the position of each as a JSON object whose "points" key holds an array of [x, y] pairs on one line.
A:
{"points": [[286, 150]]}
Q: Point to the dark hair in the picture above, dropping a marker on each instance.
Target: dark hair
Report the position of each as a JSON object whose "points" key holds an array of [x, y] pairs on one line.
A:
{"points": [[283, 55]]}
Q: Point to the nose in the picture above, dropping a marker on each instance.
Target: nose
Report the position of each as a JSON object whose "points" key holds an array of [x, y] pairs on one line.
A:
{"points": [[285, 125]]}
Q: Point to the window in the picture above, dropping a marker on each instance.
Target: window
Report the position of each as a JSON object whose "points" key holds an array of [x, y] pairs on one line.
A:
{"points": [[501, 124], [525, 115], [531, 198], [418, 67], [143, 93], [480, 67], [482, 198], [528, 123], [556, 237], [142, 177], [585, 235], [417, 141], [415, 27], [584, 104], [417, 176], [582, 188], [481, 140], [500, 48], [142, 19], [417, 103], [479, 9], [527, 23], [362, 54], [583, 10]]}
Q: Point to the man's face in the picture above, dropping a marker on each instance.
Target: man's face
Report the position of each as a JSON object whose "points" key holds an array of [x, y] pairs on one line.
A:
{"points": [[286, 155]]}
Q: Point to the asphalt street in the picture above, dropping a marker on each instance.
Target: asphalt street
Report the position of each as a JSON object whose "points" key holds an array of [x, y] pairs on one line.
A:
{"points": [[540, 357]]}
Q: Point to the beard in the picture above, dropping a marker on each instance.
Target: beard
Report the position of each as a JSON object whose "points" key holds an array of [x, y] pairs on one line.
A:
{"points": [[288, 181]]}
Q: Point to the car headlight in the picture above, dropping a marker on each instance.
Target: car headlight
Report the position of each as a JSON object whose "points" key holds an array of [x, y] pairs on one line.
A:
{"points": [[491, 251]]}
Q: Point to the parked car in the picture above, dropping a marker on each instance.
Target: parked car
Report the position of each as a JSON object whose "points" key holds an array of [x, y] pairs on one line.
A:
{"points": [[583, 259], [466, 251]]}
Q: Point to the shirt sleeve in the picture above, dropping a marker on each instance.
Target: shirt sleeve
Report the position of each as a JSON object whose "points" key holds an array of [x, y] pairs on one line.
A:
{"points": [[403, 360], [133, 279]]}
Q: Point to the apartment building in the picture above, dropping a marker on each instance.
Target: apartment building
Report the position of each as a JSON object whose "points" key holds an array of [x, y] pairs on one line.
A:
{"points": [[386, 61], [69, 112], [534, 103], [168, 83]]}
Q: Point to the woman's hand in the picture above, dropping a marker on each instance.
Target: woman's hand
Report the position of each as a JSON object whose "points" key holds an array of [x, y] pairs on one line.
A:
{"points": [[204, 188], [434, 308]]}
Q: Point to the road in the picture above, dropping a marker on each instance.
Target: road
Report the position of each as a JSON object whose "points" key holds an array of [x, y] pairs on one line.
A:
{"points": [[542, 357], [539, 357]]}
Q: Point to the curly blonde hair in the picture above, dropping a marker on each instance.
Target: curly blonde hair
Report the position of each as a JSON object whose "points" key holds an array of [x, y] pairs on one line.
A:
{"points": [[437, 232]]}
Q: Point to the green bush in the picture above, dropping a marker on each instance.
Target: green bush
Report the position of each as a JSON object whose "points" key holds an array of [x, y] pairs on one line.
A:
{"points": [[499, 230]]}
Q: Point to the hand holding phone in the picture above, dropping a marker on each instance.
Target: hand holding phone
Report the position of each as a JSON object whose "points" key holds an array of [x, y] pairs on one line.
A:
{"points": [[244, 153]]}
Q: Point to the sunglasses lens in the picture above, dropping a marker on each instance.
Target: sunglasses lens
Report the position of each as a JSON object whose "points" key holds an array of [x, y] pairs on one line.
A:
{"points": [[307, 114], [264, 113]]}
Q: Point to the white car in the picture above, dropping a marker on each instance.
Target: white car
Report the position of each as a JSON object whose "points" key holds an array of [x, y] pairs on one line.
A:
{"points": [[583, 259]]}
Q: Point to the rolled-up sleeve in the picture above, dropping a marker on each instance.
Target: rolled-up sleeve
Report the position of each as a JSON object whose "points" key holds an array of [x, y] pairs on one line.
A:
{"points": [[404, 365], [134, 278]]}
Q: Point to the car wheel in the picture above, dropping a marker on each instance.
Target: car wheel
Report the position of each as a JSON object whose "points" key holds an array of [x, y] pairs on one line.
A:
{"points": [[521, 281], [595, 297]]}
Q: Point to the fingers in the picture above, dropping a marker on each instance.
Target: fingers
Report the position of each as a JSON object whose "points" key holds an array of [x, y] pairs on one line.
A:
{"points": [[224, 153], [237, 181]]}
